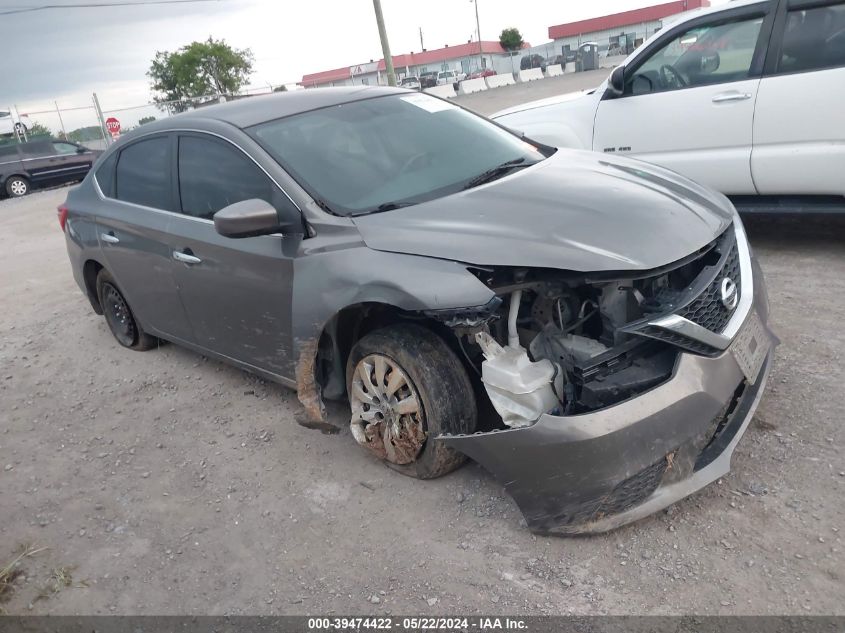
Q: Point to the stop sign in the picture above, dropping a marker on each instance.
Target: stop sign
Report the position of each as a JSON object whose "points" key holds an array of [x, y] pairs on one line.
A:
{"points": [[113, 126]]}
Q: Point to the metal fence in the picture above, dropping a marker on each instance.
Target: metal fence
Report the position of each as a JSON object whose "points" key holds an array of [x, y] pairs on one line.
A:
{"points": [[92, 124]]}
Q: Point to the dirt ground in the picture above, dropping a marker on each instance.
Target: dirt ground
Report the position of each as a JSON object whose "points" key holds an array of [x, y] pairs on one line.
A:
{"points": [[165, 483]]}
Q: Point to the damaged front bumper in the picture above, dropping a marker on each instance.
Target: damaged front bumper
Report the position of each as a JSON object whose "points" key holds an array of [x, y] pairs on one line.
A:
{"points": [[594, 472]]}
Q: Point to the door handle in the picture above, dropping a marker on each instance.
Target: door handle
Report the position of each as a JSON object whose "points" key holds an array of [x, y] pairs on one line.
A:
{"points": [[109, 238], [185, 258], [731, 96]]}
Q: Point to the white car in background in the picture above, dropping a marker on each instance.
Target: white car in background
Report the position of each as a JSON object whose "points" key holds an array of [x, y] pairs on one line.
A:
{"points": [[410, 82], [449, 77], [748, 98], [8, 126]]}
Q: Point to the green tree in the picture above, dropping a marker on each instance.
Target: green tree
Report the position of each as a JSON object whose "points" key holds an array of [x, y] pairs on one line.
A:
{"points": [[38, 130], [511, 39], [82, 134], [146, 119], [282, 88], [204, 68]]}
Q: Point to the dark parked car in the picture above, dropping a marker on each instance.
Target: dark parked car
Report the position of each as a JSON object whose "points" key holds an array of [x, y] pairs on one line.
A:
{"points": [[428, 79], [532, 61], [25, 166], [590, 328]]}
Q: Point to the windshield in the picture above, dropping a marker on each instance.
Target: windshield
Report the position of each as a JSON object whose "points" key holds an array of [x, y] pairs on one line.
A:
{"points": [[369, 155]]}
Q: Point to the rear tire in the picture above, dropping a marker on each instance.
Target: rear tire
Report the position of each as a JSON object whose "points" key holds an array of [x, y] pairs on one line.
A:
{"points": [[119, 317], [431, 378], [17, 186]]}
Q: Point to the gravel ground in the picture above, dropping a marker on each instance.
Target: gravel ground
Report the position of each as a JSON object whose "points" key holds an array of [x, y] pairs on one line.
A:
{"points": [[165, 483]]}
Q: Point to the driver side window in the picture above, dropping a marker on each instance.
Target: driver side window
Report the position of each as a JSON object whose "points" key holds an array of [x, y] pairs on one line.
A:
{"points": [[701, 56]]}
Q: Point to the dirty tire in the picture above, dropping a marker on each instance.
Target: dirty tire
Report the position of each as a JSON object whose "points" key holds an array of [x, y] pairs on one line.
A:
{"points": [[17, 186], [127, 332], [448, 400]]}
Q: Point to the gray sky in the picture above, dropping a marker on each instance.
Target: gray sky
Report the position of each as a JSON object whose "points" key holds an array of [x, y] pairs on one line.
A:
{"points": [[66, 54]]}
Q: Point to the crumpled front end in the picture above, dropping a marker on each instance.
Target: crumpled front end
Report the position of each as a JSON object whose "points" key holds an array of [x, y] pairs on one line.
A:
{"points": [[597, 471], [650, 409]]}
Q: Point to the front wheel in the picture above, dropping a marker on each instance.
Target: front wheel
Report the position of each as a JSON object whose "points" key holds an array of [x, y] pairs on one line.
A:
{"points": [[119, 317], [17, 186], [406, 387]]}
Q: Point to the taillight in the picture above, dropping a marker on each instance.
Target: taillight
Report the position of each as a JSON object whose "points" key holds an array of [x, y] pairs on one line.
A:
{"points": [[62, 211]]}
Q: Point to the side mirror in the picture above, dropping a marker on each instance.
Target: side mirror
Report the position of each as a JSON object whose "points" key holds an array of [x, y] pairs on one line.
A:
{"points": [[81, 150], [710, 63], [616, 83], [255, 217]]}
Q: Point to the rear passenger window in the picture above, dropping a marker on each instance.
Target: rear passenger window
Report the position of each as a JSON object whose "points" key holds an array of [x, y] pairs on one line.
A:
{"points": [[813, 39], [36, 149], [213, 175], [143, 173], [8, 153], [105, 175]]}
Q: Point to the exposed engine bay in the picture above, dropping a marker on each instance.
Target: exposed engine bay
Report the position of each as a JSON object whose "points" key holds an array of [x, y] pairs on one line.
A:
{"points": [[568, 343]]}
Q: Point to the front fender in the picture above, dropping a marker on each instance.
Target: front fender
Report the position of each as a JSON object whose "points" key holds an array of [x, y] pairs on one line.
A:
{"points": [[551, 133], [327, 282]]}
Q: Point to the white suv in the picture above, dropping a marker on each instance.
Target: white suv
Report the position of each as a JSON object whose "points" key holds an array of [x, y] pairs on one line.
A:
{"points": [[748, 98]]}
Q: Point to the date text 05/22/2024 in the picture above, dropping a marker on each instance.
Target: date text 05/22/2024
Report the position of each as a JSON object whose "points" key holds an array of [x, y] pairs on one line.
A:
{"points": [[417, 624]]}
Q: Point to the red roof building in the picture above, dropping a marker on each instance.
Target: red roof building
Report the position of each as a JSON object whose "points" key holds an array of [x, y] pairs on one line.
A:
{"points": [[452, 56], [626, 20]]}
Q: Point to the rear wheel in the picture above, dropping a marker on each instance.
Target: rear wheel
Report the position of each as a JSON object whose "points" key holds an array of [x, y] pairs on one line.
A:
{"points": [[17, 186], [119, 316], [406, 387]]}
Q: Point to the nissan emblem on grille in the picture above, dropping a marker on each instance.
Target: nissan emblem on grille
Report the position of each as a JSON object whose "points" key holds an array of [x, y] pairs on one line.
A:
{"points": [[730, 296]]}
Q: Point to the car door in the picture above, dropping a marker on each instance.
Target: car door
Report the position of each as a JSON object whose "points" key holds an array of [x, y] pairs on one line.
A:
{"points": [[688, 101], [132, 222], [75, 160], [237, 292], [40, 163], [799, 121]]}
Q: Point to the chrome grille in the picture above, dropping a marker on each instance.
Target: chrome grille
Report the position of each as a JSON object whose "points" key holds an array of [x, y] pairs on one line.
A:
{"points": [[707, 310], [678, 339]]}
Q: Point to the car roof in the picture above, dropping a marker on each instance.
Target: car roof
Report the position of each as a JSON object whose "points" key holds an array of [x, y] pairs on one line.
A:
{"points": [[697, 13], [250, 111]]}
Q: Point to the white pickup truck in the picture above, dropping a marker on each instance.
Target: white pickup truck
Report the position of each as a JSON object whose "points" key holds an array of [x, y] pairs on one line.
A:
{"points": [[748, 97]]}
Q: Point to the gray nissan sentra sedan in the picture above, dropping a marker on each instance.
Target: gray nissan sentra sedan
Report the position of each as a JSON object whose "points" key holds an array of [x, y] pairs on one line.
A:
{"points": [[591, 329]]}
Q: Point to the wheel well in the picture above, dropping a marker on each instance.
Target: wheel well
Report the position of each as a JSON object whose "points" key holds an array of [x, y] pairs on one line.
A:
{"points": [[10, 176], [351, 324], [90, 271], [354, 322]]}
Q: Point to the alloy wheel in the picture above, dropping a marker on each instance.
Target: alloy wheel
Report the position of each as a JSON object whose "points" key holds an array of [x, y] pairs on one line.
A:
{"points": [[18, 187]]}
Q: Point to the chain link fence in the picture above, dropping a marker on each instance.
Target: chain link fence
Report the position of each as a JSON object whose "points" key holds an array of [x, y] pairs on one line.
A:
{"points": [[95, 124]]}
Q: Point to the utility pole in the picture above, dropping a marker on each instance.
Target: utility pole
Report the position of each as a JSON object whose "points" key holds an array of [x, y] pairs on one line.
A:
{"points": [[61, 122], [385, 45], [101, 120], [422, 46], [478, 32]]}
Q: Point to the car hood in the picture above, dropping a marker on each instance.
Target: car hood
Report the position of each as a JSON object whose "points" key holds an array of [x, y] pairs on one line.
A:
{"points": [[540, 103], [576, 210]]}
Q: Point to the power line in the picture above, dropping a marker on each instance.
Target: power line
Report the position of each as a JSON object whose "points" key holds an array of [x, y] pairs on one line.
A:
{"points": [[96, 5]]}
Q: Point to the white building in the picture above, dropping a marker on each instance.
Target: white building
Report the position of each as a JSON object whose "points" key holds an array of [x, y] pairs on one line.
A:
{"points": [[467, 58]]}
